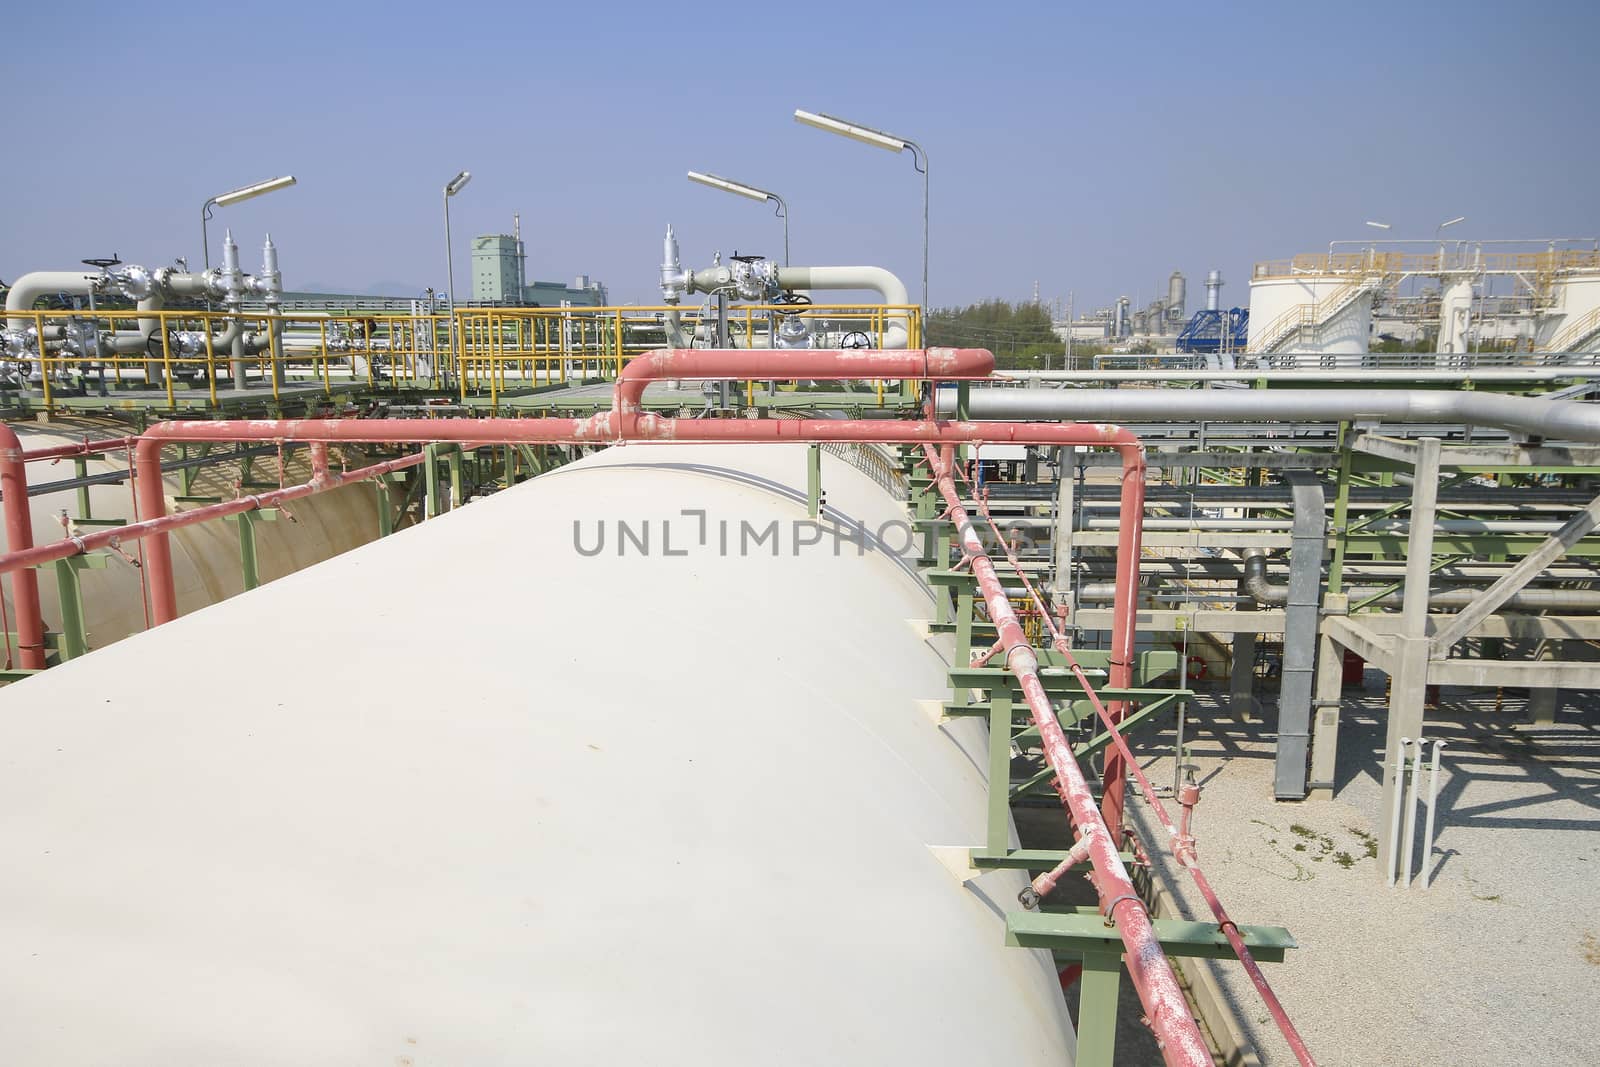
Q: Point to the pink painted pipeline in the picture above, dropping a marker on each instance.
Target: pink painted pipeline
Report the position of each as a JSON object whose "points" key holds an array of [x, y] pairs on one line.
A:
{"points": [[1182, 839], [322, 479], [1148, 967], [19, 536], [19, 529]]}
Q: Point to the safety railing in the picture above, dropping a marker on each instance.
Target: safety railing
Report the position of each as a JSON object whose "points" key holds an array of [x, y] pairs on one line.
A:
{"points": [[165, 353], [507, 350], [1532, 264], [171, 353], [1575, 333]]}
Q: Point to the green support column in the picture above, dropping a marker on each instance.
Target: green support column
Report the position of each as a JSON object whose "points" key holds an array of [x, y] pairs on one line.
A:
{"points": [[457, 492], [74, 639], [1097, 1008], [247, 550], [430, 480], [963, 653], [814, 480], [385, 516], [941, 559], [80, 467], [998, 839]]}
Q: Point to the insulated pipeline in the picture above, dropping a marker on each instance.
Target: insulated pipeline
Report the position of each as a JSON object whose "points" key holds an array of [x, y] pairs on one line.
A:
{"points": [[1556, 419]]}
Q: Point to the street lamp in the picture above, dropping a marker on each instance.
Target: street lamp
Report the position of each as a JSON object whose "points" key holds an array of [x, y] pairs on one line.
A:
{"points": [[1378, 225], [751, 192], [243, 193], [451, 188], [1439, 229], [877, 138]]}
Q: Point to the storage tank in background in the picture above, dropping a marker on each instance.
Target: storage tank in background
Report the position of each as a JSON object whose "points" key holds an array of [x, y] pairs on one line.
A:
{"points": [[205, 557], [507, 787]]}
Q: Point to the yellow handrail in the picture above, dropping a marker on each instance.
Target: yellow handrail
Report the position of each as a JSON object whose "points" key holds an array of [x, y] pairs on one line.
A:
{"points": [[498, 349], [1577, 331]]}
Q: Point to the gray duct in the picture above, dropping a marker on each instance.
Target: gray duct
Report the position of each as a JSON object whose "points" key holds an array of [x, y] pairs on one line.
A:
{"points": [[1557, 419]]}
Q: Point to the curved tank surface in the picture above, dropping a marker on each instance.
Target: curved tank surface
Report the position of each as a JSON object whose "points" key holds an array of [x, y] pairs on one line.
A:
{"points": [[504, 796], [205, 557], [1346, 330]]}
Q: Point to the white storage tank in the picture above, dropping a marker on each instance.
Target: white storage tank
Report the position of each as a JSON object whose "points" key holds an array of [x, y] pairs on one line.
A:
{"points": [[472, 794], [1336, 323], [1573, 322], [205, 557]]}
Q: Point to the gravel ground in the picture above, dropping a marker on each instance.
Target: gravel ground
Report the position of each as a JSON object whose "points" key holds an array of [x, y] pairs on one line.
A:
{"points": [[1498, 962]]}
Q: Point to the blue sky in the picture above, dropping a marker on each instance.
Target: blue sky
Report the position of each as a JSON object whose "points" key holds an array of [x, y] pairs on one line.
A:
{"points": [[1090, 148]]}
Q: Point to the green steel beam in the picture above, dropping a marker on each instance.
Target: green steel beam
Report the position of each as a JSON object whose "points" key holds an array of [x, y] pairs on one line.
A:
{"points": [[1087, 930]]}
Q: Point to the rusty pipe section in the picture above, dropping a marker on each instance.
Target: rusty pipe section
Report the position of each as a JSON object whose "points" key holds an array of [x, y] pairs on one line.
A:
{"points": [[1148, 967]]}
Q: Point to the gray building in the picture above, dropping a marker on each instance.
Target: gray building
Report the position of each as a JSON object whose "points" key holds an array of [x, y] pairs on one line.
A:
{"points": [[499, 277]]}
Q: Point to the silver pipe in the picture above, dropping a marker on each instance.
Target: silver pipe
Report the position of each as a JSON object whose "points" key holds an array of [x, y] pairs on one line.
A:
{"points": [[1433, 805], [1394, 824], [1543, 372], [1411, 813], [29, 288], [1263, 591], [1557, 419], [890, 289]]}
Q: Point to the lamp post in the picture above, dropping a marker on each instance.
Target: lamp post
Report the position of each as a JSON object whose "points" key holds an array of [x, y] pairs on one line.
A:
{"points": [[1439, 230], [246, 192], [752, 193], [451, 188], [880, 139]]}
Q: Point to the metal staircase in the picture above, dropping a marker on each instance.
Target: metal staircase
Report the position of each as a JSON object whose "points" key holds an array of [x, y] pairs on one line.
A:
{"points": [[1302, 322], [1577, 333]]}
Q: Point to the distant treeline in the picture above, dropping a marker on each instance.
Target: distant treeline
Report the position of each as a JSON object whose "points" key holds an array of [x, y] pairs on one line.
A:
{"points": [[1019, 335]]}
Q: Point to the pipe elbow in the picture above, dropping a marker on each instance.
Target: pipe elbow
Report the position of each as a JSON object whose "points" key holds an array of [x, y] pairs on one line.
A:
{"points": [[1255, 582]]}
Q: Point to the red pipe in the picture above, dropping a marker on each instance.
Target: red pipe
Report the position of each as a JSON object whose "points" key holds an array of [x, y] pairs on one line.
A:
{"points": [[1182, 840], [82, 448], [115, 537], [820, 364], [19, 536], [597, 429], [1148, 967]]}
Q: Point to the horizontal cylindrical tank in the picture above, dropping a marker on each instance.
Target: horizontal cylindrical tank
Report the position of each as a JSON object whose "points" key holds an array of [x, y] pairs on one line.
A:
{"points": [[630, 763], [206, 561]]}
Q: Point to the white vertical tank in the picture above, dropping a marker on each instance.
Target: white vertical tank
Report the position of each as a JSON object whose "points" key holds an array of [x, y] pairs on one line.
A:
{"points": [[1455, 314], [1310, 313], [1177, 296], [476, 794], [1573, 322]]}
